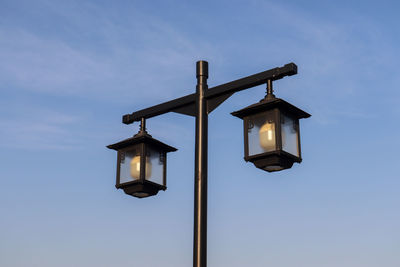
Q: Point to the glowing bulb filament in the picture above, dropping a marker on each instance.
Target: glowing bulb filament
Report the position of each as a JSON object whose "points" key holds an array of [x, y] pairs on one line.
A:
{"points": [[135, 167], [267, 136], [138, 167]]}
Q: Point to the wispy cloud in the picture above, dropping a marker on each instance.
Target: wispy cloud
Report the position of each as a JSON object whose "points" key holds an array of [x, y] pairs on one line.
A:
{"points": [[38, 128], [34, 63], [345, 65], [138, 58], [142, 59]]}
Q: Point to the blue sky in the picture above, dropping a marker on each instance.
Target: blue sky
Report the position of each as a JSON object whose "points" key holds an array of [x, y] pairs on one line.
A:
{"points": [[69, 70]]}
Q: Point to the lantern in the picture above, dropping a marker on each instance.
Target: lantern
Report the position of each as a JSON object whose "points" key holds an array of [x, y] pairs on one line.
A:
{"points": [[271, 133], [141, 164]]}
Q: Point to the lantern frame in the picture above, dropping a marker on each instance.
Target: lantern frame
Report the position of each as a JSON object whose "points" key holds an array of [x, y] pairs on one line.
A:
{"points": [[278, 157], [142, 187]]}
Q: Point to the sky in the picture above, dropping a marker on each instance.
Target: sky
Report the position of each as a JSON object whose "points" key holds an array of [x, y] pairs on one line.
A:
{"points": [[69, 70]]}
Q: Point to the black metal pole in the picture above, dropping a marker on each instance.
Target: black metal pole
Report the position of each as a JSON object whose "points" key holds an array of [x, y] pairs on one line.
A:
{"points": [[200, 175]]}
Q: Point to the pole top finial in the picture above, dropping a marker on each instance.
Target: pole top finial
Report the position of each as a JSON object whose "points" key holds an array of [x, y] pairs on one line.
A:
{"points": [[202, 68]]}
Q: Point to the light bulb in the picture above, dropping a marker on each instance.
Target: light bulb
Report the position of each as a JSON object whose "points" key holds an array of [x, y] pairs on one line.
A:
{"points": [[135, 167], [267, 136]]}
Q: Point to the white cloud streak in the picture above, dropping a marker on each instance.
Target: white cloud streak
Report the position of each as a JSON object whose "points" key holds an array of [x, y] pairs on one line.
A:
{"points": [[143, 58], [137, 59], [40, 129]]}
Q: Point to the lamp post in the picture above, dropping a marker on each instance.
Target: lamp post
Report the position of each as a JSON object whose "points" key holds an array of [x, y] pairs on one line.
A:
{"points": [[271, 133]]}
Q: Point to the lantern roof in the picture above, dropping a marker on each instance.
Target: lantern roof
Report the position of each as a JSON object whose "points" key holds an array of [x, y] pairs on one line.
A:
{"points": [[268, 104], [142, 137]]}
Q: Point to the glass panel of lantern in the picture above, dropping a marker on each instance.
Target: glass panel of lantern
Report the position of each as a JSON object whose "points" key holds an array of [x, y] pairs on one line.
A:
{"points": [[265, 135], [130, 165], [155, 162], [290, 135], [261, 133]]}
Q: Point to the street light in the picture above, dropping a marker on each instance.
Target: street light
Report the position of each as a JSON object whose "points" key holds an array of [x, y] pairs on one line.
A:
{"points": [[271, 132], [272, 140], [141, 164]]}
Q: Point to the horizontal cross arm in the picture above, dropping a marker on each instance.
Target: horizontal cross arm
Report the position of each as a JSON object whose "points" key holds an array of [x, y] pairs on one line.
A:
{"points": [[159, 109], [251, 81], [186, 103]]}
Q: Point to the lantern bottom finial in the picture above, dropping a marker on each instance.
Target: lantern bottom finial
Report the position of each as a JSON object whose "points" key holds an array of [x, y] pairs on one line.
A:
{"points": [[142, 190], [273, 162]]}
